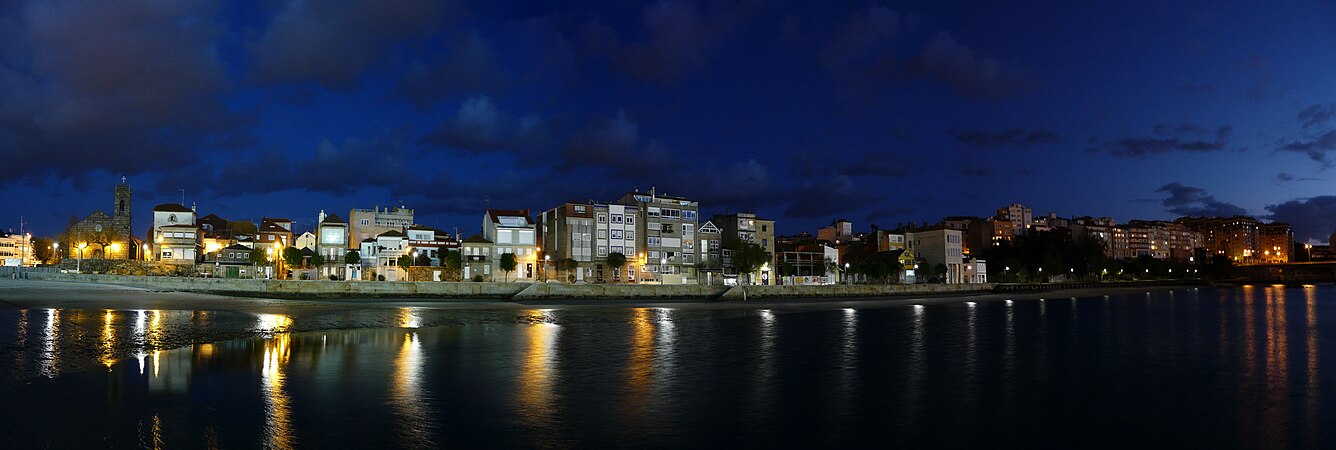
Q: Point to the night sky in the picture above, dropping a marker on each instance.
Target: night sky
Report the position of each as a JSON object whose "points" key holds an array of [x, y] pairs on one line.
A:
{"points": [[800, 111]]}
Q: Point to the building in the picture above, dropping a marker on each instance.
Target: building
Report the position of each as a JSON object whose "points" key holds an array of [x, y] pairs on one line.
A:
{"points": [[99, 236], [938, 245], [1018, 214], [810, 259], [431, 242], [709, 254], [513, 231], [176, 237], [476, 253], [368, 223], [568, 234], [380, 255], [746, 228], [666, 230], [332, 244], [16, 249], [1276, 241], [1232, 237], [1159, 240], [275, 232], [306, 241], [839, 230], [232, 261]]}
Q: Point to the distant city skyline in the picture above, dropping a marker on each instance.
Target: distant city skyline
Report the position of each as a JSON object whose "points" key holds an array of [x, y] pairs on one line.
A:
{"points": [[878, 112]]}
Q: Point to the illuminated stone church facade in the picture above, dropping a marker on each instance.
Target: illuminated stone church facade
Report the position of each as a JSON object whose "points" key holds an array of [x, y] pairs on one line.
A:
{"points": [[102, 236]]}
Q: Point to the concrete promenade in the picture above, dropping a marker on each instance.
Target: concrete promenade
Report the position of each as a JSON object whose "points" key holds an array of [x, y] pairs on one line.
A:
{"points": [[323, 289]]}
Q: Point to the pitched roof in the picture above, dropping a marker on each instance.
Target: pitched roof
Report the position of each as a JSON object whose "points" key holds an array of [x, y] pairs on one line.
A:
{"points": [[476, 239], [495, 214], [333, 218], [236, 247], [171, 207], [391, 233]]}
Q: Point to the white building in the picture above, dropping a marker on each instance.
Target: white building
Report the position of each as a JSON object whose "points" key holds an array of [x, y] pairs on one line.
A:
{"points": [[305, 240], [332, 245], [176, 237], [380, 255], [938, 245], [16, 249], [514, 232]]}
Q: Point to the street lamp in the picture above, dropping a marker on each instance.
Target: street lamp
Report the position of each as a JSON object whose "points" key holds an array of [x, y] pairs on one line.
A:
{"points": [[846, 273], [546, 258], [78, 264], [55, 252]]}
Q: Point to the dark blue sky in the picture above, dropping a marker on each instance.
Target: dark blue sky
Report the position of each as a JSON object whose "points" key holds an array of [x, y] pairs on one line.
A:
{"points": [[803, 112]]}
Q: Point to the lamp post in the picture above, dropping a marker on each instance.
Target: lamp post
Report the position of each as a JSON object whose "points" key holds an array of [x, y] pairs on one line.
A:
{"points": [[55, 252], [546, 258], [78, 264], [846, 274]]}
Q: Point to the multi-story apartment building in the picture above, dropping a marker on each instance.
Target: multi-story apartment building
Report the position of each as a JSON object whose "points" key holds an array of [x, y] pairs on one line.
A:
{"points": [[514, 232], [620, 228], [176, 238], [568, 232], [839, 230], [709, 254], [16, 249], [1016, 213], [275, 232], [331, 244], [747, 228], [666, 230], [369, 223], [476, 254], [939, 245], [1232, 237], [1160, 240], [434, 243], [1276, 241]]}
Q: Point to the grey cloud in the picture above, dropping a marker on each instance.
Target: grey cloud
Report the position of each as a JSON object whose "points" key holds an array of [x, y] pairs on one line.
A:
{"points": [[1013, 136], [469, 66], [614, 143], [1313, 219], [1285, 178], [958, 66], [1193, 201], [333, 42], [354, 164], [1315, 148], [79, 80], [1316, 115], [480, 126], [1167, 138]]}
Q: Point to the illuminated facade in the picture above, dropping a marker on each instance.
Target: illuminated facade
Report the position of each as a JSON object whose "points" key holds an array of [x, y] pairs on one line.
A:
{"points": [[1276, 241], [369, 223], [514, 232], [176, 238], [102, 236], [666, 229]]}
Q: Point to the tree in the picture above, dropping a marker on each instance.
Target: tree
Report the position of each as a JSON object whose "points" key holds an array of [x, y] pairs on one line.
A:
{"points": [[259, 258], [241, 228], [508, 264], [422, 259], [616, 261], [747, 258], [292, 256], [453, 263], [405, 261], [352, 257], [941, 271], [569, 265], [41, 249], [317, 260]]}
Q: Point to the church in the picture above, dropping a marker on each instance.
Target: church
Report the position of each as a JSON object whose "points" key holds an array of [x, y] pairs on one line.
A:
{"points": [[102, 236]]}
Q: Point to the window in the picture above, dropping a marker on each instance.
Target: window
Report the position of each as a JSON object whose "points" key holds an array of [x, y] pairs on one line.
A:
{"points": [[689, 215], [653, 254], [630, 235], [617, 249], [630, 219], [616, 218], [602, 250], [366, 222], [580, 209], [764, 243], [602, 218], [687, 230], [653, 241], [763, 227], [602, 234], [171, 218], [167, 254], [505, 236], [652, 212], [666, 228], [616, 234]]}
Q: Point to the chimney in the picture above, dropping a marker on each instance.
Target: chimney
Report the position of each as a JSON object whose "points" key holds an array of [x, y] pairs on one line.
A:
{"points": [[322, 217], [192, 206]]}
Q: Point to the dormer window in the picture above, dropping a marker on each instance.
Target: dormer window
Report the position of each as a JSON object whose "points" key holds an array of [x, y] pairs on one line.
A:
{"points": [[171, 218]]}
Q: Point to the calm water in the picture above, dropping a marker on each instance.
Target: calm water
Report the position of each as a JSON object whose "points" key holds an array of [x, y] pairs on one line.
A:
{"points": [[1198, 368]]}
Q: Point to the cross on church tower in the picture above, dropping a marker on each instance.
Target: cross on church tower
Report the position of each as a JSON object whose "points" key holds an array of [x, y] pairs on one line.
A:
{"points": [[122, 179]]}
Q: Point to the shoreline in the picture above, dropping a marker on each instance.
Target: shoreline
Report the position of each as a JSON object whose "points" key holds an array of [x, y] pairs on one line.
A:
{"points": [[92, 295]]}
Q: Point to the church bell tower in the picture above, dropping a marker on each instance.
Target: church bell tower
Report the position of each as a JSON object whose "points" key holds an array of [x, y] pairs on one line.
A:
{"points": [[120, 216]]}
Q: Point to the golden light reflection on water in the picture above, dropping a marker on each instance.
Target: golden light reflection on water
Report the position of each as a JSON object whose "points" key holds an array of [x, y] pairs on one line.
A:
{"points": [[408, 397], [50, 355], [535, 396], [410, 318], [1277, 368], [273, 323], [107, 355], [278, 411], [1311, 398], [640, 362]]}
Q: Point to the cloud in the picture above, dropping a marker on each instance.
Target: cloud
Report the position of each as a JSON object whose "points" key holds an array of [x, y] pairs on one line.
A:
{"points": [[1166, 138], [1313, 219], [1013, 136], [864, 32], [468, 66], [333, 42], [678, 36], [614, 143], [126, 87], [355, 164], [480, 126], [958, 66], [1193, 201], [1285, 178], [1316, 115], [1315, 148]]}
